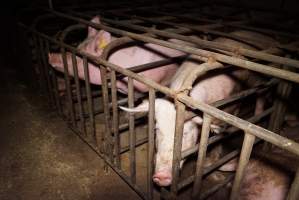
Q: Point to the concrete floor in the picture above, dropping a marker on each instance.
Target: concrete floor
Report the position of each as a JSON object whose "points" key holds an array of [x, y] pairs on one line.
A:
{"points": [[41, 158]]}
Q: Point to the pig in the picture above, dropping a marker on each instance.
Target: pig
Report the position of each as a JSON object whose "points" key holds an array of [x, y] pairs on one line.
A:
{"points": [[262, 180], [210, 88], [125, 57]]}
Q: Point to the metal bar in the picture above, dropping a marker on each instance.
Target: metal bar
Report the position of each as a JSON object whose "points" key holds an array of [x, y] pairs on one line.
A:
{"points": [[294, 192], [78, 92], [115, 122], [177, 146], [71, 114], [151, 142], [132, 133], [203, 144], [244, 158], [54, 82], [282, 94], [106, 141], [262, 133], [231, 24], [212, 44], [252, 41], [44, 68], [217, 56], [126, 148], [206, 54], [227, 133], [216, 187], [89, 100], [118, 171]]}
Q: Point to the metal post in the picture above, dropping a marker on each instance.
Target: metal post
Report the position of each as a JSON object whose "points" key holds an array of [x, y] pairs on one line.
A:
{"points": [[244, 158], [203, 144]]}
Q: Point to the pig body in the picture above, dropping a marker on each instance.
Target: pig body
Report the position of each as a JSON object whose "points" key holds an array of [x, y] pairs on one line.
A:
{"points": [[125, 57], [209, 88], [261, 181]]}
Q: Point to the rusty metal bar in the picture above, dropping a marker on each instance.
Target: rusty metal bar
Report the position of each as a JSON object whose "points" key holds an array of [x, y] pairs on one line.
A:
{"points": [[132, 133], [44, 68], [54, 82], [231, 24], [71, 114], [260, 132], [244, 158], [115, 122], [177, 146], [227, 133], [139, 142], [118, 171], [277, 118], [294, 192], [203, 144], [106, 141], [252, 41], [151, 143], [214, 166], [78, 92], [216, 187], [223, 58], [89, 100], [217, 56], [212, 44]]}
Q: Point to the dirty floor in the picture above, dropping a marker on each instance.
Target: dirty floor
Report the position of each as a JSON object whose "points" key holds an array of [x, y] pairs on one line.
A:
{"points": [[40, 157]]}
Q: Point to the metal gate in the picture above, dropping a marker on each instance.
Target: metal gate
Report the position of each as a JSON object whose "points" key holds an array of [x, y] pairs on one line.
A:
{"points": [[82, 105]]}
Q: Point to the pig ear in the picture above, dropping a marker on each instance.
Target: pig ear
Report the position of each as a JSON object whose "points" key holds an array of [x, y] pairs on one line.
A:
{"points": [[143, 107], [102, 39], [230, 166], [92, 31]]}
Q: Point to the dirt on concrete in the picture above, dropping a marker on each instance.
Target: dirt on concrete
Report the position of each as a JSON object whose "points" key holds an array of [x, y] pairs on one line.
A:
{"points": [[41, 158]]}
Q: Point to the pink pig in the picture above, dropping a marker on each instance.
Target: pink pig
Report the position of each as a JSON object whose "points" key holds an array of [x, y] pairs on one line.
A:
{"points": [[126, 57]]}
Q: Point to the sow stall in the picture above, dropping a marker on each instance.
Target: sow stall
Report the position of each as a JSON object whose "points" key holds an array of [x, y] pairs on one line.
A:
{"points": [[128, 146]]}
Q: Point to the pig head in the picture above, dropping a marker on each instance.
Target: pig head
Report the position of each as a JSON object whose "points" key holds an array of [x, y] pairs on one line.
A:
{"points": [[165, 115], [125, 57]]}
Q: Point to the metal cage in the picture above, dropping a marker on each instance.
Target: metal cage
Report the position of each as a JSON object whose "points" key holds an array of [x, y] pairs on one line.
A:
{"points": [[82, 104]]}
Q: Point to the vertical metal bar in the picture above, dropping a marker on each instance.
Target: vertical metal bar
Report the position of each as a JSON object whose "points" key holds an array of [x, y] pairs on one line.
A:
{"points": [[71, 114], [54, 81], [277, 117], [178, 136], [89, 100], [151, 142], [107, 144], [115, 122], [41, 79], [50, 4], [244, 158], [44, 66], [78, 92], [202, 149], [294, 191], [132, 135]]}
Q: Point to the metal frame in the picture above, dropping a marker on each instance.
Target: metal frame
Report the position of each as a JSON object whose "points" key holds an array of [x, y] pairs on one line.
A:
{"points": [[108, 143]]}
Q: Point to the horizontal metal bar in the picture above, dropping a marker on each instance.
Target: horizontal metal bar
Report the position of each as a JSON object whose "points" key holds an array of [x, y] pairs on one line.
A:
{"points": [[262, 133], [139, 142], [227, 133], [217, 56]]}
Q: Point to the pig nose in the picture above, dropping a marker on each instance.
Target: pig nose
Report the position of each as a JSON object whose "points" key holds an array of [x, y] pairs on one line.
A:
{"points": [[162, 178]]}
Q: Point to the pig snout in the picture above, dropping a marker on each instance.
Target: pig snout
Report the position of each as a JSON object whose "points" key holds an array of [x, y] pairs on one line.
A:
{"points": [[162, 178]]}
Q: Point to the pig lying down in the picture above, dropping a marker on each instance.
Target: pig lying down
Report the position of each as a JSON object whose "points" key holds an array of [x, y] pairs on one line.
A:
{"points": [[209, 88], [125, 57]]}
